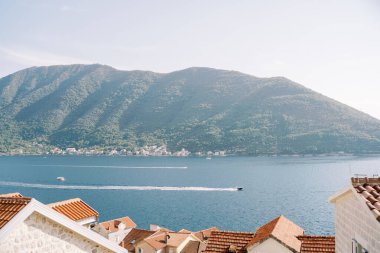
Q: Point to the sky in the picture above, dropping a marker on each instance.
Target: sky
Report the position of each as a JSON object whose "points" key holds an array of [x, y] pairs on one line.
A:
{"points": [[330, 46]]}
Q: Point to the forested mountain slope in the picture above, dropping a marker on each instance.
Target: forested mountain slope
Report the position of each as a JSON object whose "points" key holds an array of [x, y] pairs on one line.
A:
{"points": [[199, 109]]}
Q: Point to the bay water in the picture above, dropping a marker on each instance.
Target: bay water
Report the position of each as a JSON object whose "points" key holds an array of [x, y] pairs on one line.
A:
{"points": [[192, 193]]}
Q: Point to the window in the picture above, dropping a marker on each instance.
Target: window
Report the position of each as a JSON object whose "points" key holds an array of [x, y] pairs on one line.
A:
{"points": [[357, 247]]}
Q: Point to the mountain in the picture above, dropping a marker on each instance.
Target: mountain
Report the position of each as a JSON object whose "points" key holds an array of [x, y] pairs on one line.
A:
{"points": [[199, 109]]}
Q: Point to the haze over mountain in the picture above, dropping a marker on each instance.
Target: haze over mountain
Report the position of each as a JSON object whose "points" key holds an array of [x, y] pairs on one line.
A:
{"points": [[199, 109]]}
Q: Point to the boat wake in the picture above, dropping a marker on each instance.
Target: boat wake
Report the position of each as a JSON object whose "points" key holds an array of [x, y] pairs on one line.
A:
{"points": [[113, 167], [113, 187]]}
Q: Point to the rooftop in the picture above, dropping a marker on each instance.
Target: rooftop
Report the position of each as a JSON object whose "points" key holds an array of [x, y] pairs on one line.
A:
{"points": [[369, 190], [281, 229], [11, 195], [317, 244], [14, 209], [113, 225], [161, 239], [220, 241], [75, 209], [135, 236], [193, 247], [175, 238], [205, 233], [10, 207], [157, 241]]}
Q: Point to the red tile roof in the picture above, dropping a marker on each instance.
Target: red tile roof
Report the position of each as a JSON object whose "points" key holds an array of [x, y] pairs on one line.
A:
{"points": [[10, 207], [75, 209], [161, 239], [220, 241], [11, 195], [205, 233], [157, 240], [134, 237], [112, 225], [280, 229], [369, 190], [317, 244]]}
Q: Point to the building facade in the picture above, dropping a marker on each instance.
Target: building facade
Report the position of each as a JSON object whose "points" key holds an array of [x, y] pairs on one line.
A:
{"points": [[357, 212], [27, 225]]}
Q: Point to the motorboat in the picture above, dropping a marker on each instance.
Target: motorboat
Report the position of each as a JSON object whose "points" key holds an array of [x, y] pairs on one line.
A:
{"points": [[61, 179]]}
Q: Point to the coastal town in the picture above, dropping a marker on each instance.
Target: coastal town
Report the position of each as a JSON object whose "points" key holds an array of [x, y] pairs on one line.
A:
{"points": [[27, 225], [215, 126], [147, 150]]}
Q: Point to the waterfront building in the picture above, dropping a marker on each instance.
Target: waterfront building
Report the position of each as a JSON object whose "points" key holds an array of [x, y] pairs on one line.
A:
{"points": [[163, 241], [115, 230], [72, 226], [76, 210], [27, 225], [357, 216], [277, 236]]}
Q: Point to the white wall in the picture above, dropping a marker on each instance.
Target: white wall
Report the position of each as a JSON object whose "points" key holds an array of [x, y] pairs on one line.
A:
{"points": [[184, 243], [119, 235], [100, 230], [270, 245], [148, 249], [87, 221], [354, 221], [39, 234]]}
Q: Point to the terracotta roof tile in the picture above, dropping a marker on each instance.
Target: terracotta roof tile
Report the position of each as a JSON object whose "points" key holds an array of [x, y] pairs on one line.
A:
{"points": [[317, 244], [75, 209], [112, 225], [10, 206], [205, 233], [369, 190], [282, 230], [11, 195], [161, 239], [157, 240], [220, 241], [175, 238], [135, 236]]}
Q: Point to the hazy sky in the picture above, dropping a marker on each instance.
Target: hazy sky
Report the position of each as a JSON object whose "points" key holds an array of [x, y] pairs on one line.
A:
{"points": [[332, 47]]}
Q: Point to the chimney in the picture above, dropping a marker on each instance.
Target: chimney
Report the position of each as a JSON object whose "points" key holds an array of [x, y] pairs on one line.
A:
{"points": [[167, 237]]}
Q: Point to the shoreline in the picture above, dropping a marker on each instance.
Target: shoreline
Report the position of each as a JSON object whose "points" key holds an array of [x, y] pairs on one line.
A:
{"points": [[195, 156]]}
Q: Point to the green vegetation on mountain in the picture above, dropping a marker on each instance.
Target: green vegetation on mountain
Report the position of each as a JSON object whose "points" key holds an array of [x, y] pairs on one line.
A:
{"points": [[198, 109]]}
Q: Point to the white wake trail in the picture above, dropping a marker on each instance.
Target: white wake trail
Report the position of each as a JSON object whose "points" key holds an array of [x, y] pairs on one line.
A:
{"points": [[113, 187], [110, 166]]}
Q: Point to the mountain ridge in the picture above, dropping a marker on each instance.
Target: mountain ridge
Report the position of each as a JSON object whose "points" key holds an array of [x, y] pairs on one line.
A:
{"points": [[196, 108]]}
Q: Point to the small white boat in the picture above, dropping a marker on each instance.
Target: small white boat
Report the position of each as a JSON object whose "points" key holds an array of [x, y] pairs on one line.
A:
{"points": [[61, 179], [208, 158]]}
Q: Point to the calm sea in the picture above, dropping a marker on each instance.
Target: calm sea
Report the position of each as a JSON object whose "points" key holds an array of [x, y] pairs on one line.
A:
{"points": [[192, 193]]}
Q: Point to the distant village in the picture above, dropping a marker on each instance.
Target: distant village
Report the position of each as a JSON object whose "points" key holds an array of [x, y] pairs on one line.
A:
{"points": [[147, 150], [154, 150]]}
